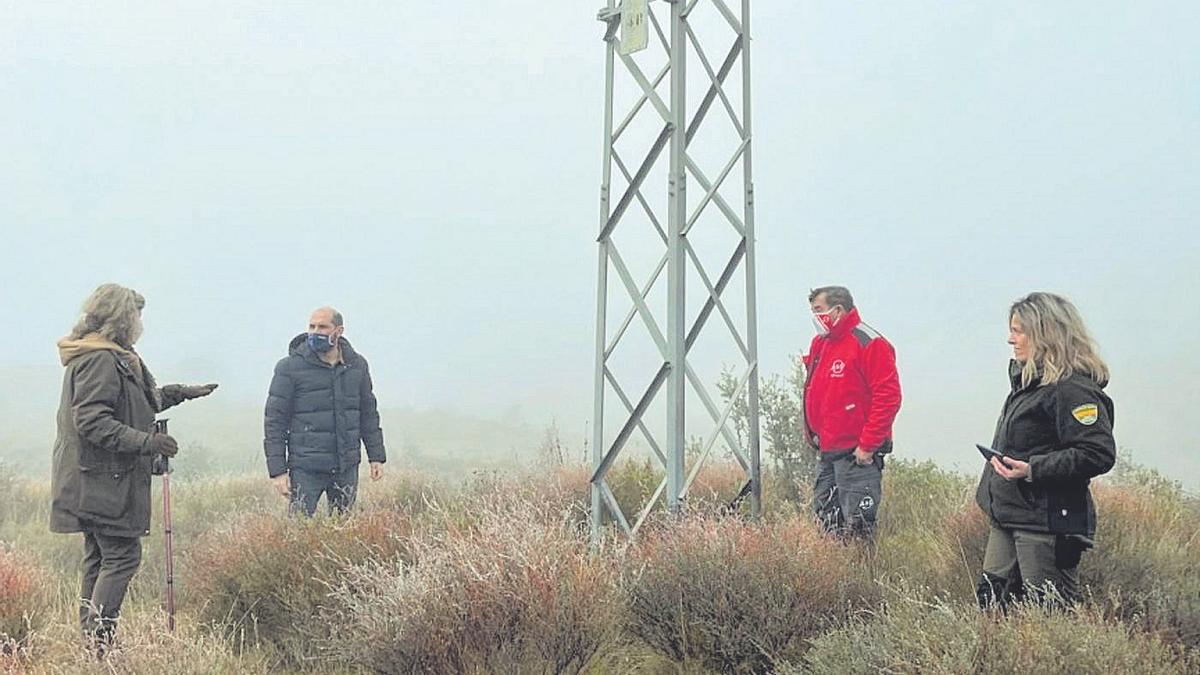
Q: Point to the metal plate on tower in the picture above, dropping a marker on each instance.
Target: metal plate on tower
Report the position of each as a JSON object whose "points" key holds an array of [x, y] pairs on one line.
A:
{"points": [[635, 26]]}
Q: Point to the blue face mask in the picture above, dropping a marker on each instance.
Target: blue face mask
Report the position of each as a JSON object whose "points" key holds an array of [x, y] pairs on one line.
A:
{"points": [[320, 343]]}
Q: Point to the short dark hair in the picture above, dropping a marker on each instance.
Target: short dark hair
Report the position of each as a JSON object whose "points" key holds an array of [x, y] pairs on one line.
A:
{"points": [[335, 317], [834, 295]]}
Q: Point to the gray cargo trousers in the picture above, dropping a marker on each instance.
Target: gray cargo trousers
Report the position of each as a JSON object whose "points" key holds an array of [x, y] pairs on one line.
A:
{"points": [[847, 494], [1019, 562]]}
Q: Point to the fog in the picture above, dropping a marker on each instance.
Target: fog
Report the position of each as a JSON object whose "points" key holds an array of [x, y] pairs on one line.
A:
{"points": [[432, 170]]}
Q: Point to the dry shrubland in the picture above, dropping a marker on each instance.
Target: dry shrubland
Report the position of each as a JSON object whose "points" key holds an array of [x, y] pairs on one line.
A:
{"points": [[496, 574]]}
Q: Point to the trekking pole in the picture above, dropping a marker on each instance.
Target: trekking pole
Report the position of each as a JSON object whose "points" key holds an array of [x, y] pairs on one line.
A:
{"points": [[164, 468]]}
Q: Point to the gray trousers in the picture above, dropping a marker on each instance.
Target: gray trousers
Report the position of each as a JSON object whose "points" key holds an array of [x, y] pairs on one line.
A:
{"points": [[847, 494], [108, 565], [1017, 562]]}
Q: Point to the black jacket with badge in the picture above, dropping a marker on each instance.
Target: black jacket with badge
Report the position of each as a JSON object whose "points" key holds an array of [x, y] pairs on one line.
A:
{"points": [[100, 478], [1064, 431], [318, 415]]}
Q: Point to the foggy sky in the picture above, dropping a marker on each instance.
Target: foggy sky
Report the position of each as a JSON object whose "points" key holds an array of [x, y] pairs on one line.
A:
{"points": [[432, 170]]}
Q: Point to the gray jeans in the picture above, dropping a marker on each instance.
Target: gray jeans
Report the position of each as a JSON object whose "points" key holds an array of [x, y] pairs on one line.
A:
{"points": [[847, 494]]}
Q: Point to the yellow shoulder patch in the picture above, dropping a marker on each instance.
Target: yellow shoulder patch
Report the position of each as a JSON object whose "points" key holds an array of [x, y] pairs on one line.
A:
{"points": [[1086, 414]]}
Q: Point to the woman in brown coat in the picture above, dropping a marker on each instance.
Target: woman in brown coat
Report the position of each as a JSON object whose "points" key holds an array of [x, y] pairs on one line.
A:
{"points": [[100, 484]]}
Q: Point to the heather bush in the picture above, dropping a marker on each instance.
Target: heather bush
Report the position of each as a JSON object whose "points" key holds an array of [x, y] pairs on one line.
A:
{"points": [[495, 575], [633, 482], [1145, 565], [915, 636], [198, 505], [504, 595], [563, 493], [23, 594], [264, 578], [24, 525], [931, 533], [716, 487], [733, 596], [559, 495]]}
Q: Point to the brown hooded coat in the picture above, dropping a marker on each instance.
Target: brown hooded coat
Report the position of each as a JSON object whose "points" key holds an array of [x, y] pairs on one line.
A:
{"points": [[100, 478]]}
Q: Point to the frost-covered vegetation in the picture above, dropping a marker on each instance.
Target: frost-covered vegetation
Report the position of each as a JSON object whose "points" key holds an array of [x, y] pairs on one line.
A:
{"points": [[495, 574]]}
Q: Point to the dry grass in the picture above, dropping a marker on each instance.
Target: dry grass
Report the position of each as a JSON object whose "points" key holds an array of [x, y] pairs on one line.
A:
{"points": [[943, 637], [144, 648], [496, 575]]}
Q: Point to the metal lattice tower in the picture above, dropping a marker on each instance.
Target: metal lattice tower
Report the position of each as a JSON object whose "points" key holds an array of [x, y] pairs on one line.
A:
{"points": [[673, 125]]}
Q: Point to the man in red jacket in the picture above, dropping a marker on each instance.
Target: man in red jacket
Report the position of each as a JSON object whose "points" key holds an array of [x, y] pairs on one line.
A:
{"points": [[851, 397]]}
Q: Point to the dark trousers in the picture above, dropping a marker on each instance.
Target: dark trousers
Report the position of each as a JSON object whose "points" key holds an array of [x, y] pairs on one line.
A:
{"points": [[108, 565], [847, 494], [1019, 562], [339, 487]]}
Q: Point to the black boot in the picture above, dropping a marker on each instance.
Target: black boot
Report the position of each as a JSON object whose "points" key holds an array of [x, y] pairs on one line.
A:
{"points": [[100, 636], [991, 591]]}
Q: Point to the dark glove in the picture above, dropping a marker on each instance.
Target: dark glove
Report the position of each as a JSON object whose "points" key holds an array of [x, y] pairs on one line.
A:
{"points": [[162, 444], [191, 391]]}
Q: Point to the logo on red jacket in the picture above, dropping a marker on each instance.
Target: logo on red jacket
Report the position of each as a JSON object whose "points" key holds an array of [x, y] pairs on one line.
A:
{"points": [[838, 369]]}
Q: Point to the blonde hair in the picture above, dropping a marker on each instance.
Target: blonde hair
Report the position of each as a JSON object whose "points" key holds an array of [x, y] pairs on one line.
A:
{"points": [[113, 312], [1061, 344]]}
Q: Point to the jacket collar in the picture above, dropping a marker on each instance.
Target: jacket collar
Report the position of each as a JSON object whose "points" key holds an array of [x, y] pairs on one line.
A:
{"points": [[1014, 376], [127, 358], [847, 324], [70, 348]]}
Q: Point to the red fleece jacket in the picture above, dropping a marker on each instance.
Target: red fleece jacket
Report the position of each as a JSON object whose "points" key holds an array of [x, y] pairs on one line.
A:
{"points": [[852, 393]]}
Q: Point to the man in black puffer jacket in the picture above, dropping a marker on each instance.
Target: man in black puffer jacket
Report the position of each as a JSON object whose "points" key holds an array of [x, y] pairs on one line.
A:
{"points": [[320, 410]]}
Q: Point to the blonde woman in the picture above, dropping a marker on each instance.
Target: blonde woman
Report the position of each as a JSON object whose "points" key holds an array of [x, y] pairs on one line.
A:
{"points": [[100, 481], [1055, 432]]}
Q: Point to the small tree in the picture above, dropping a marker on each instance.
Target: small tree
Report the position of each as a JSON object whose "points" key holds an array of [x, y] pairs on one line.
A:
{"points": [[781, 417]]}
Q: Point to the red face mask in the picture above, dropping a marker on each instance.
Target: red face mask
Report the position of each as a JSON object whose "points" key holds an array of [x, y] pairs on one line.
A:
{"points": [[824, 321]]}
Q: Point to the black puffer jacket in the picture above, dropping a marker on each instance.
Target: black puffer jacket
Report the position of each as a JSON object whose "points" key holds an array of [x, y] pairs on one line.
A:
{"points": [[317, 415], [1064, 431]]}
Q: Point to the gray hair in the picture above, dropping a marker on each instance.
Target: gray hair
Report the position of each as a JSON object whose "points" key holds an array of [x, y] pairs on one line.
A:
{"points": [[834, 295], [114, 313], [1061, 342]]}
